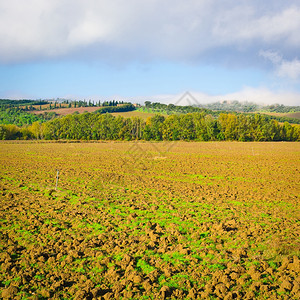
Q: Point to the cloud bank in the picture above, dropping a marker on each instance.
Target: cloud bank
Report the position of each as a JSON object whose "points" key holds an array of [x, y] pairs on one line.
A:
{"points": [[144, 30], [247, 94], [262, 96]]}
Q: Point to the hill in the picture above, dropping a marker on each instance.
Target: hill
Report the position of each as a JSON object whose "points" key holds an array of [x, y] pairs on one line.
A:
{"points": [[68, 111], [136, 113], [25, 112], [294, 115]]}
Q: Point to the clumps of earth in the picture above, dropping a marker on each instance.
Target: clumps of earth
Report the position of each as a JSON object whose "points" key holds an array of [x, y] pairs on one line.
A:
{"points": [[148, 234]]}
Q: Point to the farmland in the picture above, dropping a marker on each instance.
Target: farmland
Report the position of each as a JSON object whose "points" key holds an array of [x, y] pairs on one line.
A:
{"points": [[295, 115], [136, 113], [149, 220], [67, 111]]}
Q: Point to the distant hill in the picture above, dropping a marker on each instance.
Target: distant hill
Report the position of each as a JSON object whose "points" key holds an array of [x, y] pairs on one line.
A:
{"points": [[278, 112], [26, 111], [250, 107]]}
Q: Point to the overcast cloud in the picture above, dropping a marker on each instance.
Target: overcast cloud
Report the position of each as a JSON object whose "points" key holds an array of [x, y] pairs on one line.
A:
{"points": [[229, 33], [146, 29]]}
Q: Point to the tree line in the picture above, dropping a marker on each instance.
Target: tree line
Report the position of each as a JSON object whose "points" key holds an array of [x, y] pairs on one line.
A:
{"points": [[189, 127], [215, 109], [30, 105]]}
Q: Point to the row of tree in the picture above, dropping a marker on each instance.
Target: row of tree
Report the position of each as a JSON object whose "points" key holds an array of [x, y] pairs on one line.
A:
{"points": [[114, 108], [30, 105], [194, 126]]}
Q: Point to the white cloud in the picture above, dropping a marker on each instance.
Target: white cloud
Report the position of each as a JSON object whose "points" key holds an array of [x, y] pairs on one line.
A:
{"points": [[263, 96], [249, 94], [243, 24], [148, 29], [274, 57], [289, 69], [284, 68], [257, 95]]}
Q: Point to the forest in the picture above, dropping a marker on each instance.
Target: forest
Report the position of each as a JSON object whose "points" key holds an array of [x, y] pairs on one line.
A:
{"points": [[197, 126]]}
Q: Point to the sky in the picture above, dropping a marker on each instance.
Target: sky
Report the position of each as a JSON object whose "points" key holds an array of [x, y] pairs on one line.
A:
{"points": [[246, 50]]}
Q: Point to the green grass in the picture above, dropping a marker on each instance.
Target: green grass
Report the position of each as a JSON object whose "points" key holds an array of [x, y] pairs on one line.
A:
{"points": [[177, 281], [143, 266], [97, 228], [215, 267], [118, 257], [175, 258]]}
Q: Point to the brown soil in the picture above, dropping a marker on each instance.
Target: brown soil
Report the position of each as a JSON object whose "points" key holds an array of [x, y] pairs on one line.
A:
{"points": [[208, 221]]}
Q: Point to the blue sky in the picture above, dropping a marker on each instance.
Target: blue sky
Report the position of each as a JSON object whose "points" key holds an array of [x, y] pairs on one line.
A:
{"points": [[151, 50]]}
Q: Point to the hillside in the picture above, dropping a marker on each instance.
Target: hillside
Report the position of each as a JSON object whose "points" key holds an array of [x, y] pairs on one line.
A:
{"points": [[136, 113], [25, 112], [68, 111], [294, 115]]}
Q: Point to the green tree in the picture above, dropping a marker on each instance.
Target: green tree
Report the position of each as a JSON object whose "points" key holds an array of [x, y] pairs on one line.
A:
{"points": [[156, 127], [147, 103], [229, 126]]}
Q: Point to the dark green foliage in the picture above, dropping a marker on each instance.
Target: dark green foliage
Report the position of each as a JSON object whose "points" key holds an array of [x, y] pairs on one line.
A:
{"points": [[20, 117], [233, 106], [176, 109], [13, 103], [112, 107], [283, 119]]}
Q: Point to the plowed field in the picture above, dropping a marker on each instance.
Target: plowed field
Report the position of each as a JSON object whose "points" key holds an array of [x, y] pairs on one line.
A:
{"points": [[149, 220]]}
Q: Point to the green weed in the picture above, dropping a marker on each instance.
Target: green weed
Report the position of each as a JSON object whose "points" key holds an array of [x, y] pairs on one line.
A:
{"points": [[144, 266]]}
